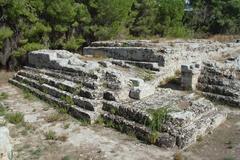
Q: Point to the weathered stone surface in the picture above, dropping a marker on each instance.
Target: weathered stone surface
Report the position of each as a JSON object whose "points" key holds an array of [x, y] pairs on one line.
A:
{"points": [[220, 81], [6, 152], [124, 89], [141, 91], [189, 76], [133, 54]]}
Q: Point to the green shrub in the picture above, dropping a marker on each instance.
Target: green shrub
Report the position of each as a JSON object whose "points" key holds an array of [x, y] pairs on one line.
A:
{"points": [[15, 118], [74, 44], [27, 48], [159, 116], [27, 95], [145, 74], [5, 32], [154, 136], [56, 117]]}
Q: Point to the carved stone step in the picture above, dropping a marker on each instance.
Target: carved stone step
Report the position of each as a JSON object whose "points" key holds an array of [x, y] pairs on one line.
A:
{"points": [[206, 124], [140, 131], [75, 111], [127, 53], [128, 113], [87, 82], [174, 119], [84, 103], [235, 102], [216, 89], [62, 84]]}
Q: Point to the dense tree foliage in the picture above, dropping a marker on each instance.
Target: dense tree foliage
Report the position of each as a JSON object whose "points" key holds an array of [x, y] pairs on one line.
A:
{"points": [[214, 16], [71, 24]]}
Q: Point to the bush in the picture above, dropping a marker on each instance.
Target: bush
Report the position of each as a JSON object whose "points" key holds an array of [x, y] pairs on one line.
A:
{"points": [[5, 32], [27, 48], [74, 44]]}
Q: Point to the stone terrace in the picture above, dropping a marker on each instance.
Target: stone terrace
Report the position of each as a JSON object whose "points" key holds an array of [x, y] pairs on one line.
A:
{"points": [[118, 83]]}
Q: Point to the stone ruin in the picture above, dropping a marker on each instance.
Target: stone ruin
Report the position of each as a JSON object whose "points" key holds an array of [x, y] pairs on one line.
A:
{"points": [[118, 82]]}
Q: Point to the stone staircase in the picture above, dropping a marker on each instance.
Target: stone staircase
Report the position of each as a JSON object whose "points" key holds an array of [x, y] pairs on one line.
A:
{"points": [[220, 84], [81, 99], [90, 90], [180, 128]]}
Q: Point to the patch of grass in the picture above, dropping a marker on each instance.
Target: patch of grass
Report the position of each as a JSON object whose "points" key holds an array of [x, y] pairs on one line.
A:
{"points": [[62, 110], [37, 152], [109, 124], [153, 137], [173, 80], [56, 117], [99, 121], [129, 133], [28, 126], [3, 96], [2, 110], [84, 122], [178, 72], [113, 110], [200, 138], [66, 126], [67, 99], [50, 135], [159, 117], [66, 158], [145, 74], [229, 158], [15, 118], [28, 95]]}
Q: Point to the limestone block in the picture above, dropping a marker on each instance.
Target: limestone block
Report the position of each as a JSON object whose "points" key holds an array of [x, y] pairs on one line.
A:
{"points": [[105, 64], [91, 66], [64, 54], [136, 82], [141, 91], [114, 79], [166, 141], [127, 53], [189, 77], [75, 61], [109, 96], [5, 145]]}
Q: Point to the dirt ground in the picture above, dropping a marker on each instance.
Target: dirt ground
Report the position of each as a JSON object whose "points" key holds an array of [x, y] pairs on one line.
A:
{"points": [[74, 140]]}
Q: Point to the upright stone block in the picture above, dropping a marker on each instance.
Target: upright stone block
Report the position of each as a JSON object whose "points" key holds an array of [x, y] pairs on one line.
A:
{"points": [[189, 77]]}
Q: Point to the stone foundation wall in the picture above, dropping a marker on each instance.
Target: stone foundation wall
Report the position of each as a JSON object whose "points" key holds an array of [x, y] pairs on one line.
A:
{"points": [[220, 82]]}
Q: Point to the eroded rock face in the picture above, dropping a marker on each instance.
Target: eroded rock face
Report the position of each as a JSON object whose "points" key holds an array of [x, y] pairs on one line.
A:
{"points": [[5, 145]]}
